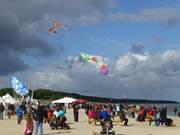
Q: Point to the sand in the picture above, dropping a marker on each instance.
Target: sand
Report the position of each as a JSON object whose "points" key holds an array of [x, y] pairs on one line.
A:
{"points": [[10, 127]]}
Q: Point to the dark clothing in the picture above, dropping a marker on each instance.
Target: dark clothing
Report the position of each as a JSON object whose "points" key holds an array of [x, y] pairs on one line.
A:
{"points": [[168, 122], [19, 118], [28, 134], [123, 118], [163, 116], [39, 114], [121, 115], [132, 114], [76, 112], [1, 111], [9, 111], [76, 115], [175, 111], [1, 108], [125, 121]]}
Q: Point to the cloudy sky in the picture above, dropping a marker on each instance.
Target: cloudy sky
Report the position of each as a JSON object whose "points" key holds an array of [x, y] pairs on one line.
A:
{"points": [[138, 40]]}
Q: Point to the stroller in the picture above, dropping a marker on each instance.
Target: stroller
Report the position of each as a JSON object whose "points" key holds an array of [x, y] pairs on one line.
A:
{"points": [[107, 127], [59, 122]]}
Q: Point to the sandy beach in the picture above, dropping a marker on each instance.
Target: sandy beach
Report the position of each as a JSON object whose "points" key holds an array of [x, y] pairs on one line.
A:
{"points": [[10, 127]]}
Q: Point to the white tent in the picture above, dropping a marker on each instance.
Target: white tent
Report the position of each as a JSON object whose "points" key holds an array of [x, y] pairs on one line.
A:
{"points": [[2, 101], [9, 99], [65, 100]]}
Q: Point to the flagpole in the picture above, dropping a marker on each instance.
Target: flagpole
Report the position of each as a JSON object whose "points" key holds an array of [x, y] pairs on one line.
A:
{"points": [[22, 99], [32, 94]]}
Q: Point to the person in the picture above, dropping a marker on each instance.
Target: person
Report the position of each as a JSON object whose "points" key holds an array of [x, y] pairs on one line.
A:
{"points": [[117, 109], [104, 114], [150, 114], [141, 114], [76, 112], [163, 116], [61, 120], [87, 108], [45, 115], [61, 112], [19, 113], [133, 110], [90, 116], [175, 111], [1, 111], [38, 116], [50, 115], [123, 117], [9, 111], [28, 125]]}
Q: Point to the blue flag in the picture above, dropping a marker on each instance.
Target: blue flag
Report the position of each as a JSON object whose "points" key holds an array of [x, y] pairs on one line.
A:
{"points": [[19, 87]]}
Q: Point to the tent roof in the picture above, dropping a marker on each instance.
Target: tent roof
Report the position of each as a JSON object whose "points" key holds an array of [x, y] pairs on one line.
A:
{"points": [[1, 100], [80, 101], [64, 100], [9, 99]]}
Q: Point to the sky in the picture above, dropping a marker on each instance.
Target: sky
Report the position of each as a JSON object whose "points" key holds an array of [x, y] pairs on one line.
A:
{"points": [[138, 40]]}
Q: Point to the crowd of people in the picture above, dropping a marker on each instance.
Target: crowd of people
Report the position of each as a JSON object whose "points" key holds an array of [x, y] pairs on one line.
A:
{"points": [[36, 116], [101, 113], [6, 109], [144, 113], [97, 114]]}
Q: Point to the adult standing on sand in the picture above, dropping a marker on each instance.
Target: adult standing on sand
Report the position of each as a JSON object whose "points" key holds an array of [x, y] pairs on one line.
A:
{"points": [[76, 112], [9, 111], [1, 111], [19, 113], [38, 115], [175, 111]]}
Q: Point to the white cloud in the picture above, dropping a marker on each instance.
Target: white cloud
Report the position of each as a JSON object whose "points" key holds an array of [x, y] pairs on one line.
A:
{"points": [[147, 15], [153, 78], [125, 63], [140, 58]]}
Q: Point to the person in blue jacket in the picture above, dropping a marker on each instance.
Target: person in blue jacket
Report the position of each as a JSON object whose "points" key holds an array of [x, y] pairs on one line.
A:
{"points": [[19, 113]]}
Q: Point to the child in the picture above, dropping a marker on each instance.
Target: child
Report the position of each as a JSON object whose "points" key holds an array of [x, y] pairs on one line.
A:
{"points": [[28, 125], [90, 116], [49, 115]]}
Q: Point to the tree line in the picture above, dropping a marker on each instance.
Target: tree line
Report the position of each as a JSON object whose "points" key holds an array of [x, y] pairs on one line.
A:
{"points": [[47, 94]]}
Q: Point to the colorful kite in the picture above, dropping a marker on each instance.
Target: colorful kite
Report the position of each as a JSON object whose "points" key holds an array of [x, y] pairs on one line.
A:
{"points": [[89, 58], [19, 87], [55, 26]]}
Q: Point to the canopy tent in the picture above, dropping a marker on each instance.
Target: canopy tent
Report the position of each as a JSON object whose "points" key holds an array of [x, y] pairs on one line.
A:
{"points": [[80, 101], [2, 101], [65, 100], [9, 99]]}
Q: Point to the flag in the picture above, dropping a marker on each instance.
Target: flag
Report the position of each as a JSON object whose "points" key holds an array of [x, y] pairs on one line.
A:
{"points": [[19, 87]]}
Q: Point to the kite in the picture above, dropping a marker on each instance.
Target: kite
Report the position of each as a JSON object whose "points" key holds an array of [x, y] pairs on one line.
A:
{"points": [[55, 26], [89, 58], [19, 87]]}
